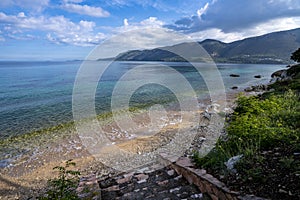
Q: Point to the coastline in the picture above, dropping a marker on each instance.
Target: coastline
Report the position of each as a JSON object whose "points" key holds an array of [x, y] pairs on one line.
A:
{"points": [[31, 172], [262, 135]]}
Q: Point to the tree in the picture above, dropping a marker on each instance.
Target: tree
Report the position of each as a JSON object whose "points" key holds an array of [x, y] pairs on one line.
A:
{"points": [[296, 56]]}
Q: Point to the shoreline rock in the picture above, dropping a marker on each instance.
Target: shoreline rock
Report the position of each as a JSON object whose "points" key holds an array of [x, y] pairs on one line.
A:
{"points": [[257, 88], [285, 74], [278, 76]]}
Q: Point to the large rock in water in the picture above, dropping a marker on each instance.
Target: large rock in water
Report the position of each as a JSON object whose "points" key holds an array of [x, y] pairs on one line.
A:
{"points": [[293, 70], [279, 73], [286, 74], [288, 78], [234, 75]]}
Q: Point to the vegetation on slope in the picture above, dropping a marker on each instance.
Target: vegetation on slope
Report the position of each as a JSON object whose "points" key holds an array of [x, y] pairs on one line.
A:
{"points": [[265, 132], [272, 48]]}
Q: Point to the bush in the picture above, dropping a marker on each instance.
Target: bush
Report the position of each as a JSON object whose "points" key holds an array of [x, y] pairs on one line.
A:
{"points": [[257, 124], [272, 120], [63, 187], [296, 55]]}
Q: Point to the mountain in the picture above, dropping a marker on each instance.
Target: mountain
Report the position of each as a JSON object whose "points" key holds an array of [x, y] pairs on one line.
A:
{"points": [[270, 48]]}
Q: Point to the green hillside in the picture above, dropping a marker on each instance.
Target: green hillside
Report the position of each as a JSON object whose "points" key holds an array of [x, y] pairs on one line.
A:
{"points": [[270, 48]]}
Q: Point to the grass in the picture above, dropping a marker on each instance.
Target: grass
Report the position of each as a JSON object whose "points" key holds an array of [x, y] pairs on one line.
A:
{"points": [[257, 124], [266, 131]]}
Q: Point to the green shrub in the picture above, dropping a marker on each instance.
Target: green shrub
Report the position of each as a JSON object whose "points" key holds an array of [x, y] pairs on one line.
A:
{"points": [[63, 187], [273, 120], [257, 124]]}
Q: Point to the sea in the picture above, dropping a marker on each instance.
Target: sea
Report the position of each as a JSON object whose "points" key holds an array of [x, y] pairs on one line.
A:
{"points": [[38, 95]]}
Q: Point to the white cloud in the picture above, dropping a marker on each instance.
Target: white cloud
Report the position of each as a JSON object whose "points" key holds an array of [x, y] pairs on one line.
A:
{"points": [[86, 10], [215, 33], [146, 34], [138, 38], [152, 22], [203, 10], [59, 28], [21, 14], [273, 25], [21, 37], [233, 16], [279, 24], [214, 1], [87, 25], [125, 22]]}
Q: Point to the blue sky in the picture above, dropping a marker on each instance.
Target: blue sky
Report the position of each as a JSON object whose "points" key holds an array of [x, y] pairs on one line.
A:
{"points": [[70, 29]]}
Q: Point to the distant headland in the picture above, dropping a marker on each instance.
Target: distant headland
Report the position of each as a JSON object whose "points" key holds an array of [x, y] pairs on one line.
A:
{"points": [[272, 48]]}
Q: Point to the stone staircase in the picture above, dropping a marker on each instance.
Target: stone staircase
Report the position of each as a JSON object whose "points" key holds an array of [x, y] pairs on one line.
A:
{"points": [[161, 184], [170, 178]]}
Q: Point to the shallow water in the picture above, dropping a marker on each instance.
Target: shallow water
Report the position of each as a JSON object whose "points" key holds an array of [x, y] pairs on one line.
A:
{"points": [[37, 95]]}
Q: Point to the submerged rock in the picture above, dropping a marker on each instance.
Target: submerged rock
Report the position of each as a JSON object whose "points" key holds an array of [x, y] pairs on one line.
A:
{"points": [[257, 76]]}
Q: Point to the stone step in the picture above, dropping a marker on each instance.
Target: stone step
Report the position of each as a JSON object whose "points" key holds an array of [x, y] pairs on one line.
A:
{"points": [[161, 184]]}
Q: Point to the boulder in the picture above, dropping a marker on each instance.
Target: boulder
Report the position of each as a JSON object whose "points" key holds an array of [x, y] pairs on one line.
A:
{"points": [[248, 89], [278, 73], [257, 76], [257, 88], [232, 161], [234, 87], [234, 75]]}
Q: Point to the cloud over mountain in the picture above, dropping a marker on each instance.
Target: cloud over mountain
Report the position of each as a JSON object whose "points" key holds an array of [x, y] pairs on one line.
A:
{"points": [[231, 15]]}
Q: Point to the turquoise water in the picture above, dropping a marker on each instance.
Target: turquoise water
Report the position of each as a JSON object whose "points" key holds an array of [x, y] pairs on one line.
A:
{"points": [[36, 95]]}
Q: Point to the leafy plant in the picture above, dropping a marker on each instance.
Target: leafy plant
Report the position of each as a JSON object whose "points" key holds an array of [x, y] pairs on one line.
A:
{"points": [[63, 187], [290, 163], [296, 55], [249, 173], [257, 124]]}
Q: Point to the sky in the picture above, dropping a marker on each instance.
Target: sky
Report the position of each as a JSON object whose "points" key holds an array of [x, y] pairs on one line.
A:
{"points": [[70, 29]]}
